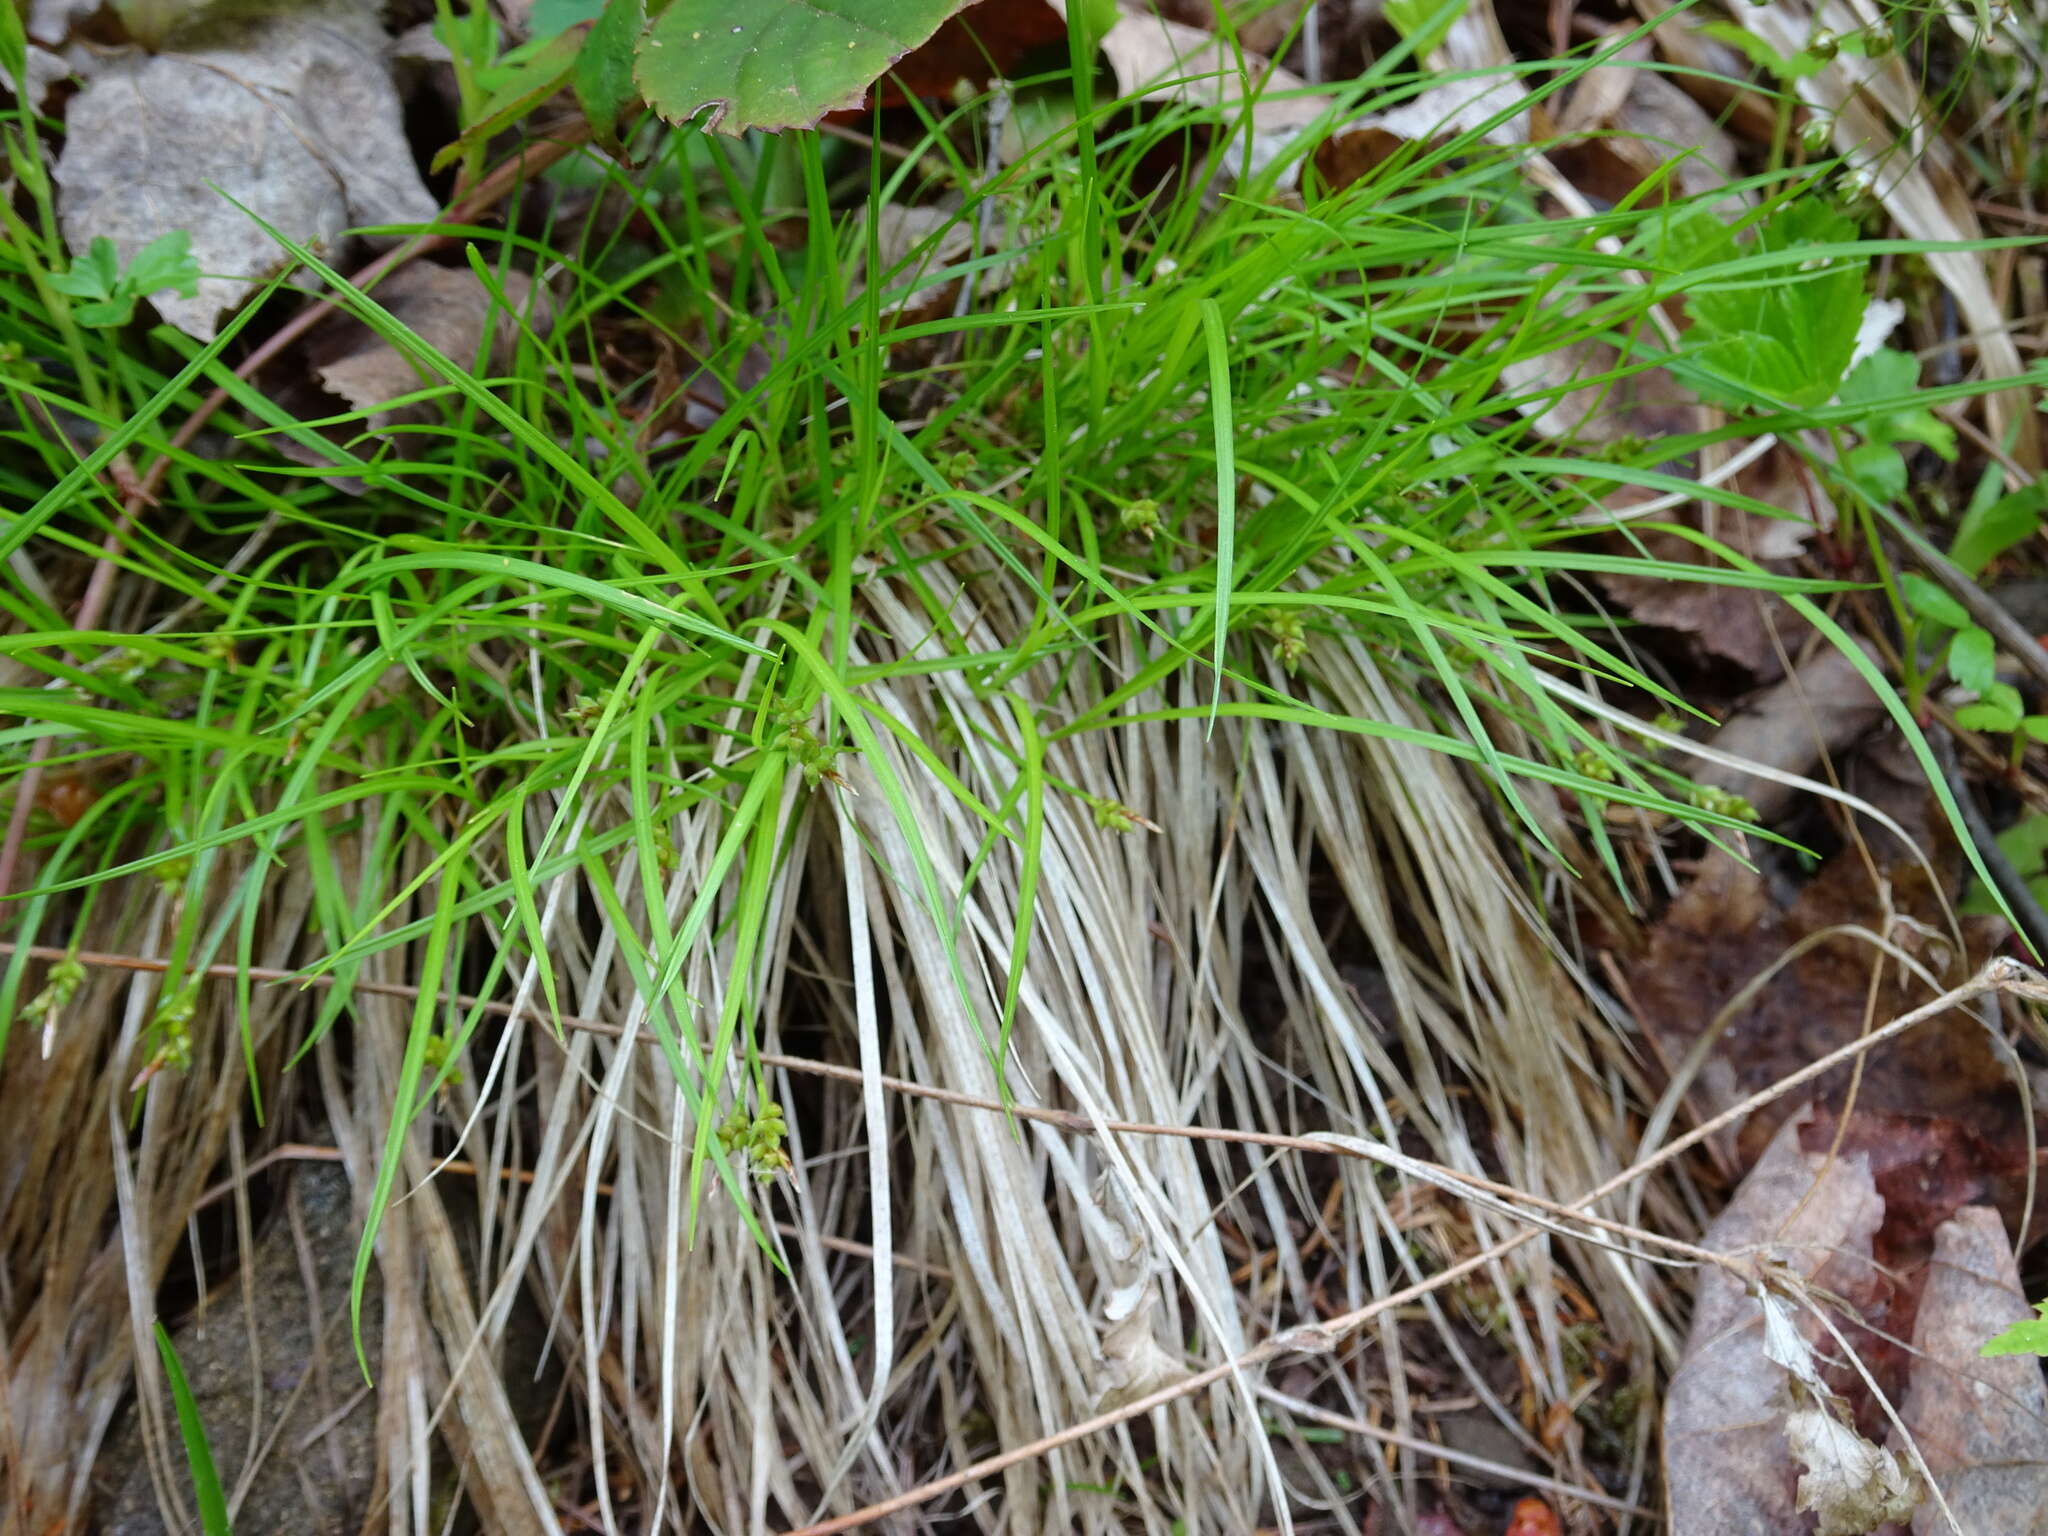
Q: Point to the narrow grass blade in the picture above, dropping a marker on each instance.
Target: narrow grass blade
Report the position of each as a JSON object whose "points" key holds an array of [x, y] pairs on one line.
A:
{"points": [[213, 1504]]}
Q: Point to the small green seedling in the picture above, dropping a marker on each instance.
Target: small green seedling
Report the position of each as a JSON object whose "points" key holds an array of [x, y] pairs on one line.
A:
{"points": [[1884, 385], [1972, 660], [2028, 1336], [110, 293]]}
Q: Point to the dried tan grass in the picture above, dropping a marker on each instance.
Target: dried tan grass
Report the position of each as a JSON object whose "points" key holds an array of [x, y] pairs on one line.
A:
{"points": [[957, 1279]]}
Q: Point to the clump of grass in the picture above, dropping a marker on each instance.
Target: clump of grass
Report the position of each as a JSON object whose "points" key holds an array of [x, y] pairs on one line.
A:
{"points": [[969, 700]]}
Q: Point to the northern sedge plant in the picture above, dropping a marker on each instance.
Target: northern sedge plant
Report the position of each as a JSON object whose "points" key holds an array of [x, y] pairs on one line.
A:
{"points": [[1306, 456], [570, 683]]}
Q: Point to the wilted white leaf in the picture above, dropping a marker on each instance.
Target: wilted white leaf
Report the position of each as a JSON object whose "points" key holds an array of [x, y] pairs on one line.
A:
{"points": [[1852, 1485], [1880, 319], [1134, 1363], [1159, 60], [292, 115], [1784, 1345]]}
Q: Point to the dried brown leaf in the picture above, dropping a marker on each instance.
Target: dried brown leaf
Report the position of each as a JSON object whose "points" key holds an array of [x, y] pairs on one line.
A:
{"points": [[1852, 1486], [1981, 1425], [447, 307], [1728, 1462], [1820, 709], [1950, 1076], [292, 115], [979, 45], [1134, 1363], [1736, 624]]}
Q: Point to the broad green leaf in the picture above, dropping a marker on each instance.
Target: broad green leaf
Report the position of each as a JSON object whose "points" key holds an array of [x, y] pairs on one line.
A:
{"points": [[1998, 711], [1878, 470], [1781, 338], [1973, 660], [604, 70], [1885, 382], [95, 275], [775, 64], [110, 293], [1930, 602], [1989, 531], [166, 262], [551, 18], [2029, 1336]]}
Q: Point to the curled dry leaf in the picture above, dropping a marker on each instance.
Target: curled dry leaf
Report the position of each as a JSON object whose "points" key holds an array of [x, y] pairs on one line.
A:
{"points": [[1981, 1425], [1850, 1486], [912, 244], [1820, 709], [292, 115], [1159, 60], [1627, 124], [1134, 1363], [1727, 1459], [446, 307]]}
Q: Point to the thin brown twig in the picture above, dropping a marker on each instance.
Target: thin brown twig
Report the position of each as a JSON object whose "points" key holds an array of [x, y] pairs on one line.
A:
{"points": [[2017, 215], [307, 1152], [530, 161], [1064, 1119], [1451, 1454]]}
